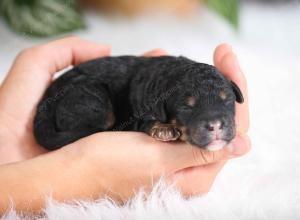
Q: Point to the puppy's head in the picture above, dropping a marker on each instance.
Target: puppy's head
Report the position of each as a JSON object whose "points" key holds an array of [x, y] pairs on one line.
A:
{"points": [[204, 108]]}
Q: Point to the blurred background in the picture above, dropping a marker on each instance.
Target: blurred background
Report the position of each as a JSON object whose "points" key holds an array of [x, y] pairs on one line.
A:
{"points": [[267, 28], [264, 34]]}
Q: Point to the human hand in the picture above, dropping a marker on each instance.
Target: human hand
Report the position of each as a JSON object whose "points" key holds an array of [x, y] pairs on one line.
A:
{"points": [[199, 179], [129, 160], [162, 158], [26, 82]]}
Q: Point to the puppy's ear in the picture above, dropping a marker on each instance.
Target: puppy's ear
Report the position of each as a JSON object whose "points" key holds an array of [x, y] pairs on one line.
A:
{"points": [[160, 112], [238, 94]]}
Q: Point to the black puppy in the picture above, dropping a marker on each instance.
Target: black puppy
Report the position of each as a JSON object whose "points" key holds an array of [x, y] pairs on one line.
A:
{"points": [[166, 97]]}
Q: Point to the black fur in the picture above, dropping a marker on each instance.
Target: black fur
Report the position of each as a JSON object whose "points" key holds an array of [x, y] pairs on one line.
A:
{"points": [[131, 93]]}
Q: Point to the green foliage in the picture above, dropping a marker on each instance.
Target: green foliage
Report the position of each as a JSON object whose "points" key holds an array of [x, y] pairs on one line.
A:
{"points": [[227, 8], [51, 17], [41, 17]]}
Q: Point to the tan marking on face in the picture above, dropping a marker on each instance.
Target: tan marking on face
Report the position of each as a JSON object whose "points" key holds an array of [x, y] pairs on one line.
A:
{"points": [[223, 95], [191, 101], [173, 121], [183, 137], [110, 119], [156, 124]]}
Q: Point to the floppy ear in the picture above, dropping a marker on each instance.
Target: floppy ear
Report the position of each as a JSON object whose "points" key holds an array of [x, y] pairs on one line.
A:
{"points": [[238, 94]]}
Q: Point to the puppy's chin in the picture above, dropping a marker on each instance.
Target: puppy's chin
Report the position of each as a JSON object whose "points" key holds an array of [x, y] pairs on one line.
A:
{"points": [[215, 145], [211, 146]]}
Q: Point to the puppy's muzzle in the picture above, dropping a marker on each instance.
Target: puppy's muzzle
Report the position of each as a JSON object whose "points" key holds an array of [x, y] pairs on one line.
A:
{"points": [[213, 134]]}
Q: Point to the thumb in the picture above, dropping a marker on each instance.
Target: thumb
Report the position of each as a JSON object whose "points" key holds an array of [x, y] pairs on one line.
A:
{"points": [[240, 145], [34, 68]]}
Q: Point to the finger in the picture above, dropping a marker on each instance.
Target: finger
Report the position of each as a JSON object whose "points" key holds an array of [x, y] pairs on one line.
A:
{"points": [[155, 53], [240, 145], [59, 54], [219, 53], [230, 68], [196, 180], [226, 61], [199, 179], [34, 68], [70, 51]]}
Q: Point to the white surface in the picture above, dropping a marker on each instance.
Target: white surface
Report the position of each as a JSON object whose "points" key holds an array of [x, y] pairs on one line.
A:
{"points": [[265, 183]]}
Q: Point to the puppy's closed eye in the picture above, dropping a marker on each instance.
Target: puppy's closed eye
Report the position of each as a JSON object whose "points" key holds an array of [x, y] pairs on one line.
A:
{"points": [[223, 95], [191, 101]]}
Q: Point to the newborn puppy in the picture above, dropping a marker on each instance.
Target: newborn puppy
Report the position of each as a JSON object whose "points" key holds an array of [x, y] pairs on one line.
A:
{"points": [[166, 97]]}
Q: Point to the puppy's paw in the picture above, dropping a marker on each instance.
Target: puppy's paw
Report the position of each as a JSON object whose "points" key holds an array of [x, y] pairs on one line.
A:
{"points": [[165, 132]]}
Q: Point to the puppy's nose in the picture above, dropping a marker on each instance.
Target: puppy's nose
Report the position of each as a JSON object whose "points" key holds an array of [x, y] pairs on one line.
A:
{"points": [[214, 126]]}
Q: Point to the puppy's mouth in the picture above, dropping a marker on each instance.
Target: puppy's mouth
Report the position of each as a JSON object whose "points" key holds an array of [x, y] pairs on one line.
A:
{"points": [[215, 145], [212, 145], [207, 142]]}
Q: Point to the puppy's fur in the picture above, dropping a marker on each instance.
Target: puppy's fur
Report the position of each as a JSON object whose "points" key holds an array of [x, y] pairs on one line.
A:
{"points": [[167, 97]]}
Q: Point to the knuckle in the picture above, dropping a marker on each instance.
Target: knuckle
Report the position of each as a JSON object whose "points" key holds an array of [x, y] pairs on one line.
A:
{"points": [[159, 51], [39, 50], [197, 155], [24, 53], [203, 156], [213, 156], [29, 53], [156, 52], [209, 156]]}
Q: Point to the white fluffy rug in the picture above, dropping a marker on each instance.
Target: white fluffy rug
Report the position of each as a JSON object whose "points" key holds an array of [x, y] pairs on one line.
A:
{"points": [[257, 195], [265, 184]]}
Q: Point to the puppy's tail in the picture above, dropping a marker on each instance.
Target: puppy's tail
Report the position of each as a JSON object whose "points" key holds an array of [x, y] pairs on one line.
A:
{"points": [[45, 131]]}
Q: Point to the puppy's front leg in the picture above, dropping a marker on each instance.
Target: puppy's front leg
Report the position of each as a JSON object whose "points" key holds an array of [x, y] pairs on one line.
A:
{"points": [[161, 131]]}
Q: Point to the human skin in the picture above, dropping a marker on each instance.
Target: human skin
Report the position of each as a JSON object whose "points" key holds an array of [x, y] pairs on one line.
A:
{"points": [[116, 164]]}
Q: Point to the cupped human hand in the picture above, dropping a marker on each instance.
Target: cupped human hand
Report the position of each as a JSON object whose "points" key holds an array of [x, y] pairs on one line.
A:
{"points": [[25, 84], [30, 75], [114, 163], [128, 161], [135, 160]]}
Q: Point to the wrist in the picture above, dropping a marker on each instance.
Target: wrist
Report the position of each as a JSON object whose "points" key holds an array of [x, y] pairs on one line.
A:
{"points": [[62, 174], [71, 175]]}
